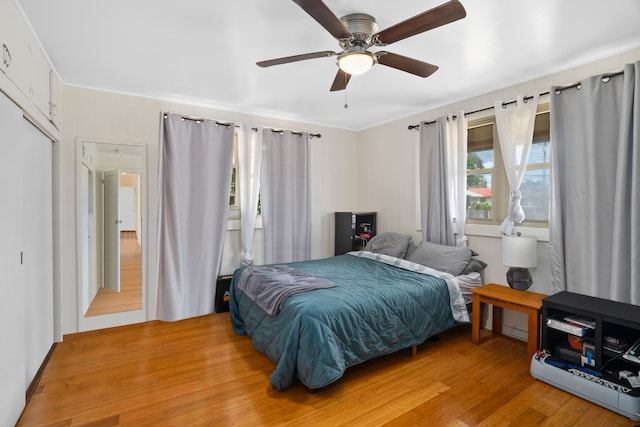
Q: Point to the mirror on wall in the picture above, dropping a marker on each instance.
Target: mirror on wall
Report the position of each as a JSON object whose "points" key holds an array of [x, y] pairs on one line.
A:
{"points": [[111, 199]]}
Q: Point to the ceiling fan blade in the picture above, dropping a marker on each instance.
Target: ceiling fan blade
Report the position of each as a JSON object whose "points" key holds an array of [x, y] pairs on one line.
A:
{"points": [[295, 58], [403, 63], [432, 18], [341, 81], [321, 13]]}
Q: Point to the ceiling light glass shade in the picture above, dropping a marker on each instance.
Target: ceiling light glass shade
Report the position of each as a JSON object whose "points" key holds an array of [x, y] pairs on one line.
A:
{"points": [[356, 63]]}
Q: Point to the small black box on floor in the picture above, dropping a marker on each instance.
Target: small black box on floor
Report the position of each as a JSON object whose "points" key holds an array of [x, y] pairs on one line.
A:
{"points": [[222, 293]]}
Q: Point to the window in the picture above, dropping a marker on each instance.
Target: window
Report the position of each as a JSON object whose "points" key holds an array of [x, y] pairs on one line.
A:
{"points": [[234, 193], [487, 186], [535, 187], [481, 170]]}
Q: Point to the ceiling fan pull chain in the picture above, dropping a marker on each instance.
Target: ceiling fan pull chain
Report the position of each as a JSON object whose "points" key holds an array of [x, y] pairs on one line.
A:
{"points": [[346, 80]]}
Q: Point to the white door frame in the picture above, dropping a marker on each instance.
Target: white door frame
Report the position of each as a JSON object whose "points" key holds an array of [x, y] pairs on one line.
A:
{"points": [[127, 317]]}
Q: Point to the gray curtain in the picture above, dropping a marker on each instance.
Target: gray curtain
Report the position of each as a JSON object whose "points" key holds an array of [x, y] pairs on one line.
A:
{"points": [[194, 178], [286, 211], [435, 208], [594, 225]]}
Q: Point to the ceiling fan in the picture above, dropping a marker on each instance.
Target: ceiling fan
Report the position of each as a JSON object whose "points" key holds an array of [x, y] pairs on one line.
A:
{"points": [[357, 32]]}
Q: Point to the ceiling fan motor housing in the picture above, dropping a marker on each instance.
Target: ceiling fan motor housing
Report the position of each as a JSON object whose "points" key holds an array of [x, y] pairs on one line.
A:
{"points": [[355, 59], [362, 26]]}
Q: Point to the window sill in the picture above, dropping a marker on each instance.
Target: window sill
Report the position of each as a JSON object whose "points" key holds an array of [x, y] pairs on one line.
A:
{"points": [[234, 224], [542, 234]]}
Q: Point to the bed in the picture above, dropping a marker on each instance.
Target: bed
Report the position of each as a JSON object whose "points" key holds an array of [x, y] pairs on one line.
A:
{"points": [[377, 304]]}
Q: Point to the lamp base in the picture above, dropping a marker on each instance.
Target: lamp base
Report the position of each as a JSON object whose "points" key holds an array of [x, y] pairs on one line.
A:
{"points": [[519, 278]]}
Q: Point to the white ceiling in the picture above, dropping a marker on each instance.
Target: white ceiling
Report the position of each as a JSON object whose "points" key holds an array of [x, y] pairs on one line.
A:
{"points": [[204, 52]]}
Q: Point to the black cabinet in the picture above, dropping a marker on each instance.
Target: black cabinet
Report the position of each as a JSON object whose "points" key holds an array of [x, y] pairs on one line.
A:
{"points": [[591, 332], [590, 350], [353, 230]]}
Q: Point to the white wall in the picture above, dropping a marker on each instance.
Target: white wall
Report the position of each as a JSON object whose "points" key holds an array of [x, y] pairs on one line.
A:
{"points": [[97, 116], [373, 169], [388, 182]]}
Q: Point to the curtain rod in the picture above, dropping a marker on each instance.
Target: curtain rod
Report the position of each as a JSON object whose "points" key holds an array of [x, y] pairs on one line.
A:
{"points": [[504, 104], [605, 78], [311, 135], [200, 120]]}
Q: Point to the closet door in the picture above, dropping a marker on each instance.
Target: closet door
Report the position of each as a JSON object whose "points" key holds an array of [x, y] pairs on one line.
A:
{"points": [[12, 356], [37, 247]]}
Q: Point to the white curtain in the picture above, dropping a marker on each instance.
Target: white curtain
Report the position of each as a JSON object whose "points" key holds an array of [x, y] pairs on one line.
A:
{"points": [[515, 133], [442, 163], [457, 159], [595, 170], [194, 178], [249, 163], [286, 212]]}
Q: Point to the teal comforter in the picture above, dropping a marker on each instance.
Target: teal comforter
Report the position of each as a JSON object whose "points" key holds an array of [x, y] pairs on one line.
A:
{"points": [[375, 309]]}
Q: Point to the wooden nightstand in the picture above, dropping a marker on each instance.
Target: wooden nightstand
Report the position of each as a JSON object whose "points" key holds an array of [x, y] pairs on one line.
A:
{"points": [[504, 297]]}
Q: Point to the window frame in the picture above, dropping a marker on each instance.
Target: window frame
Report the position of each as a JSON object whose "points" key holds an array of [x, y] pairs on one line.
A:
{"points": [[543, 108], [499, 183], [234, 209], [235, 187]]}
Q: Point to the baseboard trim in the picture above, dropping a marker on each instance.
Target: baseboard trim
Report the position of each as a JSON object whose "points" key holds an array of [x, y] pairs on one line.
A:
{"points": [[31, 390]]}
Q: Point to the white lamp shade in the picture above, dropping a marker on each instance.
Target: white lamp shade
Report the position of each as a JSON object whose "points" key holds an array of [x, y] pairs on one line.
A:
{"points": [[356, 63], [520, 251]]}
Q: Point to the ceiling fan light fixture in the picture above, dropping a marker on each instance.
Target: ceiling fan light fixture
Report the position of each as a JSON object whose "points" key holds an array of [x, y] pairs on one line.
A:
{"points": [[355, 63]]}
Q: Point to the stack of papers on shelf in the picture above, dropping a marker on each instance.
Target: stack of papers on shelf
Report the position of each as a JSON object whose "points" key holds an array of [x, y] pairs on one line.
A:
{"points": [[570, 328], [585, 322]]}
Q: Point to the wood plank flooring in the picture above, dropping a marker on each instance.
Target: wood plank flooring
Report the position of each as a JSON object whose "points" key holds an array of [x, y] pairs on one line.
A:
{"points": [[130, 296], [197, 372]]}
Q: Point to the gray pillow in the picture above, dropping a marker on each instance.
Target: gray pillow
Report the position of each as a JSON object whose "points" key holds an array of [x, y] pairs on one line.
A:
{"points": [[450, 259], [411, 248], [390, 243], [474, 265]]}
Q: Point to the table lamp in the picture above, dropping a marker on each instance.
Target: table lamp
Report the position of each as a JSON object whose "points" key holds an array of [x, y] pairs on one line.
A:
{"points": [[519, 253]]}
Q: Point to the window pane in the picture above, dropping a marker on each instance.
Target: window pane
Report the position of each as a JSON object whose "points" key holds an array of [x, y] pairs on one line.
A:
{"points": [[480, 160], [479, 196], [232, 194], [234, 201], [480, 138], [535, 195], [536, 184], [542, 126], [540, 152]]}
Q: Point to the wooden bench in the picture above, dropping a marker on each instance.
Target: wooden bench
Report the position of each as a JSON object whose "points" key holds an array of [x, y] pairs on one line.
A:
{"points": [[504, 297]]}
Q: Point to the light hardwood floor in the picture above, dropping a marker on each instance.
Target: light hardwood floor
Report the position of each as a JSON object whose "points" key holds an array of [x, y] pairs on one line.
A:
{"points": [[130, 296], [197, 372]]}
